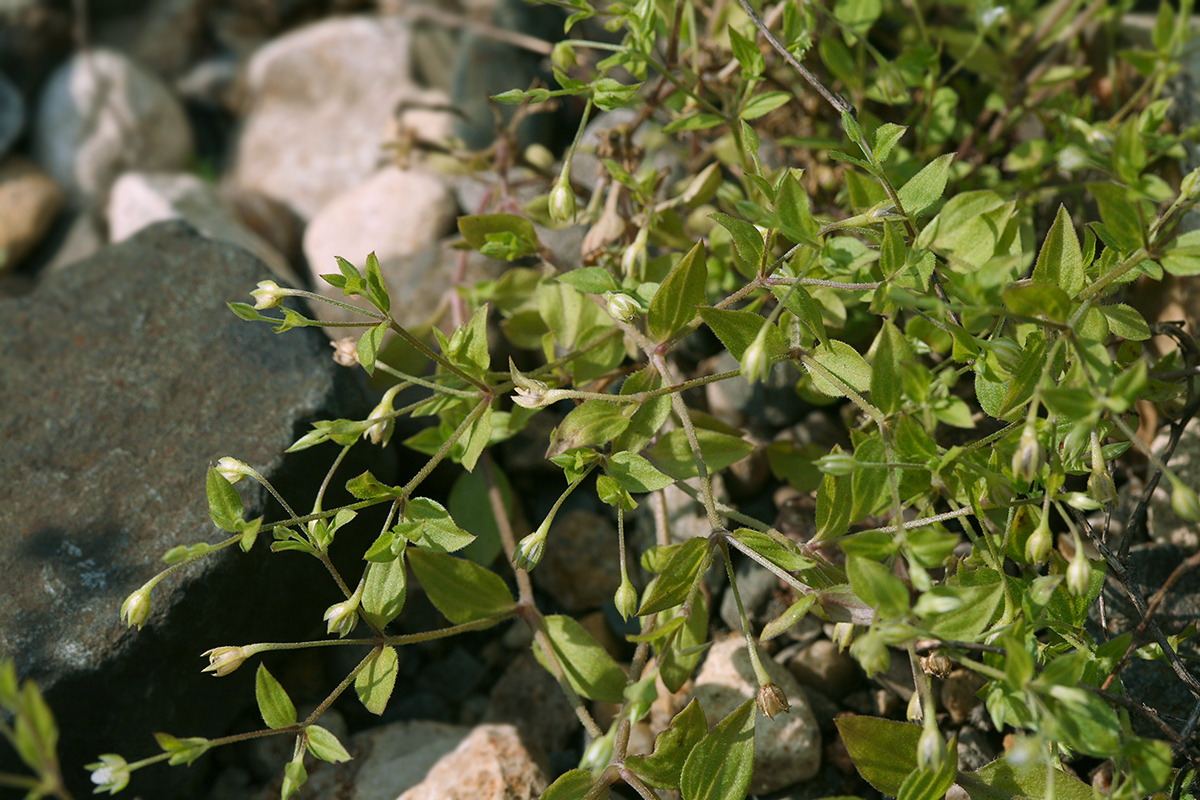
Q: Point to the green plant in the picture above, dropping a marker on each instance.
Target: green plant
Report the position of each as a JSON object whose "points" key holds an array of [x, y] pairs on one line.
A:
{"points": [[991, 378], [29, 727]]}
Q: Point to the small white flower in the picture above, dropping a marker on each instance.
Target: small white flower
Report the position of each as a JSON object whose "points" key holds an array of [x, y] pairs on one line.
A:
{"points": [[231, 469], [136, 608], [342, 617], [268, 294], [224, 660], [110, 773]]}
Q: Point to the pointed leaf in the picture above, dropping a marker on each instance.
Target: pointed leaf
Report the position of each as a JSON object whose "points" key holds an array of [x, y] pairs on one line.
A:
{"points": [[884, 751], [273, 702], [592, 422], [571, 785], [842, 362], [462, 590], [385, 590], [671, 587], [720, 766], [672, 453], [637, 475], [747, 243], [661, 769], [892, 352], [925, 188], [1060, 261], [375, 682], [589, 669], [738, 329], [224, 503], [325, 746], [674, 304]]}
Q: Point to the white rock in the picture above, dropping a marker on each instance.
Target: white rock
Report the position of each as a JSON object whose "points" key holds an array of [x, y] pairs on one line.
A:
{"points": [[100, 115], [400, 216], [490, 764], [787, 749], [320, 103], [394, 758], [140, 199]]}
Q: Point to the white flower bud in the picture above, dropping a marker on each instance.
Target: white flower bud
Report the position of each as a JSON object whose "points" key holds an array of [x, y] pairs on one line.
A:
{"points": [[268, 294], [562, 200], [1079, 572], [621, 306], [231, 469], [1184, 501], [342, 617], [931, 748], [1027, 460], [1037, 546], [756, 362], [136, 608], [224, 660], [345, 352], [383, 423], [1100, 487], [530, 550], [626, 599]]}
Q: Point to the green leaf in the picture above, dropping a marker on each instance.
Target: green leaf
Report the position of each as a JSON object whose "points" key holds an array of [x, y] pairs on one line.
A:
{"points": [[762, 104], [1121, 213], [886, 136], [671, 586], [782, 554], [1182, 256], [794, 613], [1037, 301], [1126, 322], [375, 682], [835, 501], [738, 329], [325, 746], [474, 439], [877, 586], [720, 765], [462, 590], [926, 783], [972, 609], [385, 590], [377, 291], [747, 243], [747, 54], [842, 362], [797, 300], [885, 752], [571, 785], [925, 188], [858, 15], [674, 304], [661, 769], [590, 670], [1060, 261], [368, 346], [637, 475], [892, 352], [1024, 381], [478, 228], [590, 280], [795, 219], [470, 508], [679, 660], [468, 347], [592, 422], [693, 122], [672, 453], [608, 94], [649, 417], [428, 524], [224, 504], [1000, 780], [1129, 151], [273, 702]]}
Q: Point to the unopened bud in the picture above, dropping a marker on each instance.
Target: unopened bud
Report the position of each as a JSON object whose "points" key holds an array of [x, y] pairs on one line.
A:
{"points": [[626, 599], [633, 262], [1027, 460], [1189, 187], [931, 748], [342, 617], [530, 550], [621, 306], [224, 660], [1037, 546], [136, 608], [771, 700], [231, 469], [268, 294], [756, 362], [381, 419], [843, 633], [837, 464], [562, 200], [1079, 572], [345, 352], [563, 56], [1100, 487]]}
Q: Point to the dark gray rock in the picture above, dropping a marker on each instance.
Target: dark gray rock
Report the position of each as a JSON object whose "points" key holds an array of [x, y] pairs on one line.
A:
{"points": [[124, 377], [12, 113]]}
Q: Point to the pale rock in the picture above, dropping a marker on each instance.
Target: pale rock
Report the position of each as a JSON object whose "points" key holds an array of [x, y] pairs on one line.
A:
{"points": [[140, 199], [320, 101], [100, 115], [958, 693], [825, 668], [29, 202], [400, 216], [580, 570], [269, 218], [492, 763], [391, 759], [1164, 524], [787, 749]]}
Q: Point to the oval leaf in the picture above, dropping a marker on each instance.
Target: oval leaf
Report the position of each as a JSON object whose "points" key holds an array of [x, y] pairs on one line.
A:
{"points": [[589, 669], [273, 702], [720, 766], [375, 681], [462, 590], [674, 304]]}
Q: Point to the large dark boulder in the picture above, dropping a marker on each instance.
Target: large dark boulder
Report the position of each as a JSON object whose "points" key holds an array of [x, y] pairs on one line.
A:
{"points": [[123, 378]]}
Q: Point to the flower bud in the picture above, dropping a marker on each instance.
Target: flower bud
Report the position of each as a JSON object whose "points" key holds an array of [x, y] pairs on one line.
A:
{"points": [[110, 773], [837, 464], [913, 712], [562, 199], [268, 294], [771, 700], [1184, 501], [224, 660], [931, 748], [621, 306], [342, 617], [345, 352], [563, 56], [530, 550], [937, 664], [136, 608], [231, 469], [1189, 187], [843, 633], [1027, 460], [633, 262], [1079, 572], [1037, 546], [626, 599], [1100, 487], [756, 362], [383, 423]]}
